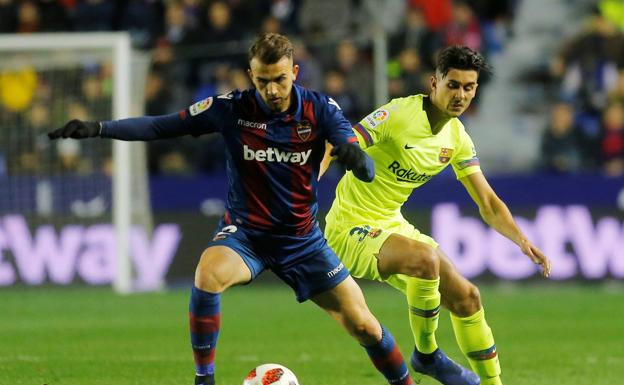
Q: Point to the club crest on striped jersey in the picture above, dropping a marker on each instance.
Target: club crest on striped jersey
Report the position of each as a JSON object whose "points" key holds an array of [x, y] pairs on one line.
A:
{"points": [[200, 106], [445, 155], [304, 130]]}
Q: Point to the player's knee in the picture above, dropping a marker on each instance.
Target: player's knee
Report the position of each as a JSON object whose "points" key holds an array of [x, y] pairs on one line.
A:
{"points": [[470, 303], [361, 324], [423, 262], [210, 278], [209, 281], [366, 330]]}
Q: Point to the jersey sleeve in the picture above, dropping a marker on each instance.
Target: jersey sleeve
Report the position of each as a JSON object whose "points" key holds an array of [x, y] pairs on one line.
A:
{"points": [[209, 115], [374, 127], [465, 161], [337, 126]]}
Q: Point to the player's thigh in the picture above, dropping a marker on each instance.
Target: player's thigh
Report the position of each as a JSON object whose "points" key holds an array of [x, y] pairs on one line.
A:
{"points": [[408, 255], [221, 267], [228, 260], [459, 295], [357, 245], [345, 303], [307, 264]]}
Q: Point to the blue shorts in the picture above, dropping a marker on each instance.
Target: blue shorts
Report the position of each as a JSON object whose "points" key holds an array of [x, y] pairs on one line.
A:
{"points": [[306, 263]]}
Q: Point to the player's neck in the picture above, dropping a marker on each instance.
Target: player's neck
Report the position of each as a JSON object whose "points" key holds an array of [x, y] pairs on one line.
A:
{"points": [[437, 118]]}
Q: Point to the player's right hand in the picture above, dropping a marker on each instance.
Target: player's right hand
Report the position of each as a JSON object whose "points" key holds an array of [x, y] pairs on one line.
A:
{"points": [[77, 129], [355, 160]]}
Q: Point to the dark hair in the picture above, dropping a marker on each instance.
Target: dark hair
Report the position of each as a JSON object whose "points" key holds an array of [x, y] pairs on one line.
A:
{"points": [[269, 48], [461, 58]]}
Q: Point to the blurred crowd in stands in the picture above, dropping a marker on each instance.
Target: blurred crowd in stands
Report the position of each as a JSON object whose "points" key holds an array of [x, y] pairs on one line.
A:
{"points": [[198, 48], [586, 129]]}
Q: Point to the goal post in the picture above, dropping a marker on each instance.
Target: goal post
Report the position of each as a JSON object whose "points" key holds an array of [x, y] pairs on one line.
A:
{"points": [[57, 54]]}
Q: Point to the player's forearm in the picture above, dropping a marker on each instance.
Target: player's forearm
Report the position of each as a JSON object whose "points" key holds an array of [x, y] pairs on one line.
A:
{"points": [[498, 216], [145, 128], [326, 160]]}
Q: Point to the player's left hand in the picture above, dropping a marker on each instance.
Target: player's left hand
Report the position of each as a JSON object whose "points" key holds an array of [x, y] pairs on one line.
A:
{"points": [[536, 255], [356, 160]]}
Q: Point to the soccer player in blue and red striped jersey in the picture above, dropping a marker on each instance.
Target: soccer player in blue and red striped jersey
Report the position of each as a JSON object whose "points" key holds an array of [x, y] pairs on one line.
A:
{"points": [[275, 137]]}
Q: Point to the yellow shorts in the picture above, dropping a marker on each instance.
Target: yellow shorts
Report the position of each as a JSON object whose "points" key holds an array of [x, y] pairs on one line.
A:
{"points": [[357, 245]]}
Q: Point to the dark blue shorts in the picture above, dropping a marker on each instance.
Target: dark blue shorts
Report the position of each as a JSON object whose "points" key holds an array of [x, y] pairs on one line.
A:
{"points": [[306, 263]]}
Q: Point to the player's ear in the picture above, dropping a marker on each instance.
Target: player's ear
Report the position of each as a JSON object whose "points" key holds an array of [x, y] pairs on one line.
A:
{"points": [[295, 70], [250, 73], [433, 82]]}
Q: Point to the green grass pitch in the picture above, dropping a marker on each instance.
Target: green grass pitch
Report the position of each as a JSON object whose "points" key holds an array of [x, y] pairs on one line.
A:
{"points": [[554, 334]]}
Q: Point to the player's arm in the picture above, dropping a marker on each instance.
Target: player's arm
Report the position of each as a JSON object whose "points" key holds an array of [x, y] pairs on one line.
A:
{"points": [[327, 158], [200, 118], [141, 128], [497, 215], [345, 149]]}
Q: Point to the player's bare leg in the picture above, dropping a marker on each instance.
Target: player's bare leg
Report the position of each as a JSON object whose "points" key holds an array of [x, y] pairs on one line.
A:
{"points": [[219, 268], [472, 332], [345, 303], [421, 262]]}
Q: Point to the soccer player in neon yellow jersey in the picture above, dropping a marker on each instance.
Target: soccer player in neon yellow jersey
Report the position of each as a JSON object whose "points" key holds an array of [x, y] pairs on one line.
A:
{"points": [[411, 140]]}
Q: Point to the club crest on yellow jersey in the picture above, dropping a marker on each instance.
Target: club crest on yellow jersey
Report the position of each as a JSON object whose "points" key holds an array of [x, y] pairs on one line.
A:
{"points": [[445, 155]]}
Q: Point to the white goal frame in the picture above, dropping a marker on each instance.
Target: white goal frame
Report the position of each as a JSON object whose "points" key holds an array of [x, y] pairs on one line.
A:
{"points": [[119, 44]]}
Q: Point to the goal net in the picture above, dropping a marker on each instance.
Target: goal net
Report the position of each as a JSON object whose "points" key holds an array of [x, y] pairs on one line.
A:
{"points": [[69, 208]]}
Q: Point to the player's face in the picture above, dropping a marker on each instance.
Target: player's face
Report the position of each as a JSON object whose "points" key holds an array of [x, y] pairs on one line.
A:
{"points": [[453, 93], [274, 81]]}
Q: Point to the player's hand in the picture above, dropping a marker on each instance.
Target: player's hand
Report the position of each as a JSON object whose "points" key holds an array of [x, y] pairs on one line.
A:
{"points": [[536, 256], [76, 129], [356, 160]]}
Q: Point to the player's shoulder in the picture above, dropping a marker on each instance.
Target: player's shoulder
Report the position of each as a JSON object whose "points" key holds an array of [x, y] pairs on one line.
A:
{"points": [[222, 103], [398, 109], [315, 97], [411, 102], [458, 126]]}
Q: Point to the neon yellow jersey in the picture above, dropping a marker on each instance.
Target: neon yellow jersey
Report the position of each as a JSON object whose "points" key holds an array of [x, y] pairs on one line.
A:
{"points": [[398, 138]]}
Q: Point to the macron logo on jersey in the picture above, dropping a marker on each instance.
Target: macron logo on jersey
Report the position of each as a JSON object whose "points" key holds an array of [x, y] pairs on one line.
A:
{"points": [[272, 154], [247, 123]]}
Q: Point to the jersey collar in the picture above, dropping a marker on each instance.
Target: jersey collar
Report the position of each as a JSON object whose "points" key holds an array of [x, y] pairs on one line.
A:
{"points": [[294, 114]]}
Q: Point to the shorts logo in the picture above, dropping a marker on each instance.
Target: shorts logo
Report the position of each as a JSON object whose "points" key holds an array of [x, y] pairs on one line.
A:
{"points": [[335, 270], [364, 231], [225, 232], [445, 155], [377, 117], [304, 129], [200, 106]]}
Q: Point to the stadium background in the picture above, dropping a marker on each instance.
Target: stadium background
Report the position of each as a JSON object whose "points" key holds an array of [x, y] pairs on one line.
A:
{"points": [[548, 126]]}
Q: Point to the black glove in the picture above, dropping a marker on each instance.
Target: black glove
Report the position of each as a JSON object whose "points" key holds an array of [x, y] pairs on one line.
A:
{"points": [[356, 160], [77, 129]]}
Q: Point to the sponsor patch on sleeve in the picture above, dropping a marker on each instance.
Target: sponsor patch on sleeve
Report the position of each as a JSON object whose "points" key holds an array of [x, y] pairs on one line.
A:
{"points": [[377, 117], [468, 163], [200, 106]]}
